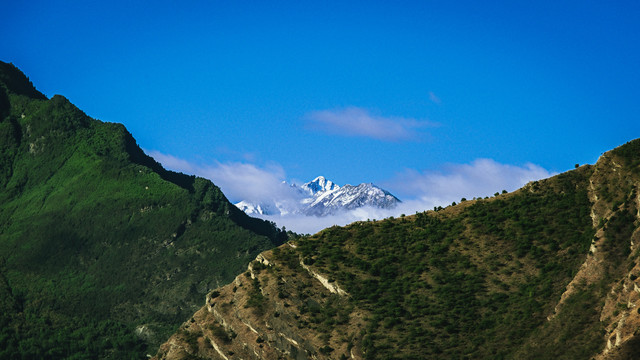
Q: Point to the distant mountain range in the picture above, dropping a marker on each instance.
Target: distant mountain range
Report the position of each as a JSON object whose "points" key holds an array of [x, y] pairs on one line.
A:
{"points": [[321, 197]]}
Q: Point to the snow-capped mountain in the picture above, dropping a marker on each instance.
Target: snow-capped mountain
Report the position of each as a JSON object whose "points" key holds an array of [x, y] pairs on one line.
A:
{"points": [[319, 185], [351, 197], [321, 197]]}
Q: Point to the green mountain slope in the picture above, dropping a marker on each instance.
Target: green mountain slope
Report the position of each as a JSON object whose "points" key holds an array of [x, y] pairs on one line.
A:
{"points": [[102, 251], [550, 271]]}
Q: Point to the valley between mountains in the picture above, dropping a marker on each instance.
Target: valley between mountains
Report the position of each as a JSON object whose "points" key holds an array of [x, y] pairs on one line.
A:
{"points": [[549, 271], [104, 254]]}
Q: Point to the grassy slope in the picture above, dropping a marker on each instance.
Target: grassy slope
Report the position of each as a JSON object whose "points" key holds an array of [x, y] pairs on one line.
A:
{"points": [[96, 238]]}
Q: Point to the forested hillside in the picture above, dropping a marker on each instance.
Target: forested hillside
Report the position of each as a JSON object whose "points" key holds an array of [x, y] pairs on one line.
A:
{"points": [[549, 271], [103, 253]]}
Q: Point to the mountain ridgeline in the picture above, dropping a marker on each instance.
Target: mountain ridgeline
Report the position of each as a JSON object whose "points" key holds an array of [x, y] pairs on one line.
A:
{"points": [[321, 197], [550, 271], [103, 253]]}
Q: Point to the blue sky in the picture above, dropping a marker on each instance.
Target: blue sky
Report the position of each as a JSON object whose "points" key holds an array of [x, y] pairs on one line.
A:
{"points": [[365, 91]]}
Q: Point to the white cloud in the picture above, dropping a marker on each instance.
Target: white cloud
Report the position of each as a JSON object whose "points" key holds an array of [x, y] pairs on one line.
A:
{"points": [[419, 191], [310, 224], [354, 121], [482, 177], [171, 162], [303, 224], [238, 181]]}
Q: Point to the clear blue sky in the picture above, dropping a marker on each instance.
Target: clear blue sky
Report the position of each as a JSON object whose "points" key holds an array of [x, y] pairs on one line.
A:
{"points": [[360, 91]]}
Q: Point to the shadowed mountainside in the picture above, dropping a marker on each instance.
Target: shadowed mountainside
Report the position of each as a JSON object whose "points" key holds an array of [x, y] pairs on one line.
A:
{"points": [[103, 253]]}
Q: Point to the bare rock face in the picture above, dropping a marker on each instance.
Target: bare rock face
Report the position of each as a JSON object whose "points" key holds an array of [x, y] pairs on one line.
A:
{"points": [[613, 191], [278, 309], [620, 312]]}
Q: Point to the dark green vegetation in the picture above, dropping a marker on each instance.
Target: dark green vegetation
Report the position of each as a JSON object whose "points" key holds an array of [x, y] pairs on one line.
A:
{"points": [[97, 239], [471, 284], [479, 280]]}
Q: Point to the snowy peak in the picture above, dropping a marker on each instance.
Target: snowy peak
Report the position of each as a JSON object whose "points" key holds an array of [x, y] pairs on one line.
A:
{"points": [[351, 197], [320, 197], [319, 185]]}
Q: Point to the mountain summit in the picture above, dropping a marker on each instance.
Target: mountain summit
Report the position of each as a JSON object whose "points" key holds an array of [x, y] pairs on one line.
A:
{"points": [[351, 197], [319, 184], [321, 197]]}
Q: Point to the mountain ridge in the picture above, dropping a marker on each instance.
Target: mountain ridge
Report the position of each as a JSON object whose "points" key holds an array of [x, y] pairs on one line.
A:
{"points": [[321, 197], [102, 251]]}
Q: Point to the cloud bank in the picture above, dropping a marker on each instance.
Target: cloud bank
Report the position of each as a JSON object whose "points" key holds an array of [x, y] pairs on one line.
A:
{"points": [[354, 121], [482, 177], [238, 181], [418, 190]]}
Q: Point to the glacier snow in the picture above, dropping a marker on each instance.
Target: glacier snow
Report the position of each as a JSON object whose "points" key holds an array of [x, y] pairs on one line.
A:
{"points": [[321, 197]]}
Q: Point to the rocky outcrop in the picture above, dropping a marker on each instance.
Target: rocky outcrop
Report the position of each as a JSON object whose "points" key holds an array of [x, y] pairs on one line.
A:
{"points": [[270, 312], [613, 190], [333, 287]]}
